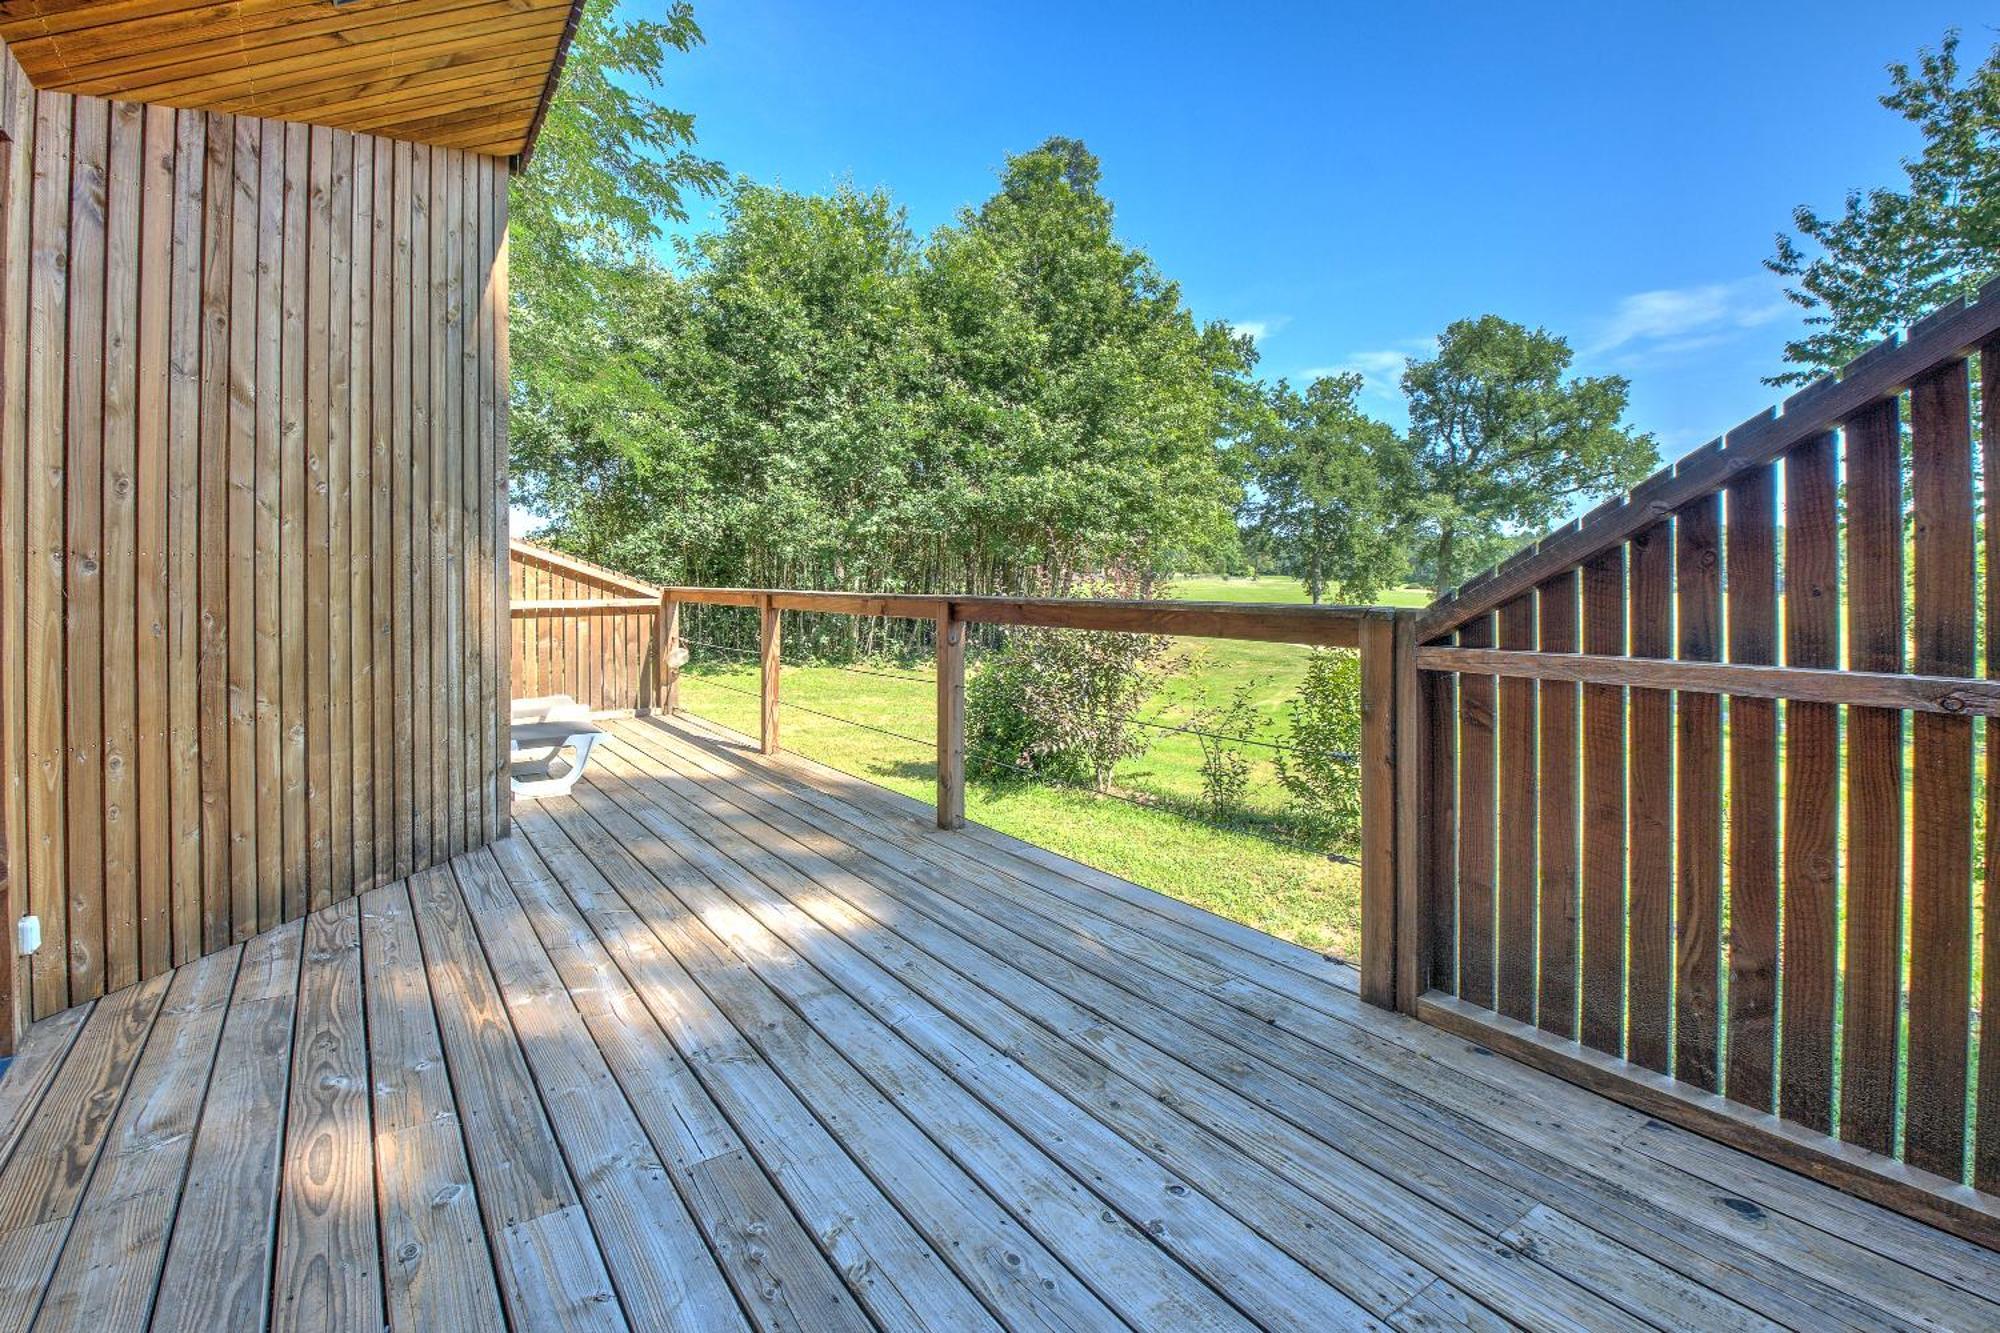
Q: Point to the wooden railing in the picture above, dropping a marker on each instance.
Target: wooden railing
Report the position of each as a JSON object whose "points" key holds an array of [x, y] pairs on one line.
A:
{"points": [[1689, 765], [1649, 805], [1380, 635]]}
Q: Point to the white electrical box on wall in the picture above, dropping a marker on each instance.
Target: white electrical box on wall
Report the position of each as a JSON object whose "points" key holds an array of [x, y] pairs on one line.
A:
{"points": [[28, 934]]}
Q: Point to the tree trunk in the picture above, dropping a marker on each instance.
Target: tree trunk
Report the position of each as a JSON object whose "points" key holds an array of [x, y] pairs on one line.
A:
{"points": [[1442, 575]]}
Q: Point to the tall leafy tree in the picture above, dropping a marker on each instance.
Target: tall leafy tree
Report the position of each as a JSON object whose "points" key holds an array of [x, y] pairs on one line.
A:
{"points": [[1322, 477], [611, 166], [1891, 256], [1504, 439]]}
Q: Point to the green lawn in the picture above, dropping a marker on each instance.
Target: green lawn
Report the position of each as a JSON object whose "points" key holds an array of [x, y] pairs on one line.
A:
{"points": [[1297, 895]]}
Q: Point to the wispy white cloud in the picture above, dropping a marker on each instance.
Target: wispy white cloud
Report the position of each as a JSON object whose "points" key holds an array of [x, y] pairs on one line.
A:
{"points": [[1672, 320], [1380, 368], [1260, 329]]}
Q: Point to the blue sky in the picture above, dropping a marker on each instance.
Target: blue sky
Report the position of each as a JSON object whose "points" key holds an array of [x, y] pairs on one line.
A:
{"points": [[1346, 180]]}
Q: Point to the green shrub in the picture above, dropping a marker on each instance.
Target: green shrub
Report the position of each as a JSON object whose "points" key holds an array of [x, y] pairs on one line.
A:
{"points": [[1225, 769], [1320, 769], [1062, 702]]}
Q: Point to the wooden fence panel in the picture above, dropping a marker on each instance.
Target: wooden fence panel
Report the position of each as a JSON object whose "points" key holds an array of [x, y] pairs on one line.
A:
{"points": [[1743, 921], [199, 472], [603, 659]]}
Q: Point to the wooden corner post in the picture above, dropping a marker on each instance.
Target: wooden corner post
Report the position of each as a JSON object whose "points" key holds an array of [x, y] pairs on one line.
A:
{"points": [[666, 652], [950, 720], [768, 678], [1379, 790], [1411, 760]]}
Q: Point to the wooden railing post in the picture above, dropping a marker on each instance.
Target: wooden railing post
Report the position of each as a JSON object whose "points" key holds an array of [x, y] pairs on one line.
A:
{"points": [[667, 653], [950, 720], [1411, 755], [768, 679], [1379, 789]]}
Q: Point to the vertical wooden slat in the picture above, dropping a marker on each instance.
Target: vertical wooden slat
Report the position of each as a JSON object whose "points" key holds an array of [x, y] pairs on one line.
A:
{"points": [[184, 431], [215, 648], [1986, 1150], [435, 290], [1753, 792], [1602, 992], [1650, 807], [385, 309], [1475, 823], [154, 553], [1561, 887], [490, 553], [1439, 873], [1516, 886], [1812, 788], [1698, 800], [452, 506], [248, 874], [314, 687], [1941, 775], [502, 382], [83, 670], [422, 617], [269, 777], [338, 486], [361, 502], [125, 665], [769, 631], [47, 847], [299, 619]]}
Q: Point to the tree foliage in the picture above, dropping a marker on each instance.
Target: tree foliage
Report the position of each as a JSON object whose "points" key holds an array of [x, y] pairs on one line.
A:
{"points": [[1320, 767], [1503, 439], [1323, 477], [825, 399], [1889, 257]]}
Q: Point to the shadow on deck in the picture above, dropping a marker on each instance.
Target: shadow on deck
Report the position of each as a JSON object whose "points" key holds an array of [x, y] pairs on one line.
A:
{"points": [[728, 1041]]}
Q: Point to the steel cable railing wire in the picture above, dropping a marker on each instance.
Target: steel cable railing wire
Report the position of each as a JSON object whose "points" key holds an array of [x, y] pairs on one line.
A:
{"points": [[1339, 756], [986, 759]]}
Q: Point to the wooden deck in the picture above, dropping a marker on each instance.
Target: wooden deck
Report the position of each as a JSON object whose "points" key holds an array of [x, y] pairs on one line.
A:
{"points": [[727, 1041]]}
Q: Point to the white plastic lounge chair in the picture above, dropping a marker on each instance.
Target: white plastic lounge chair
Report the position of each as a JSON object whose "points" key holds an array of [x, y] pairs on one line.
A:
{"points": [[542, 730]]}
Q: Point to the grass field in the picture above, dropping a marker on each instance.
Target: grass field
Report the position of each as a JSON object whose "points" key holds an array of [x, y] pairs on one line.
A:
{"points": [[1295, 894]]}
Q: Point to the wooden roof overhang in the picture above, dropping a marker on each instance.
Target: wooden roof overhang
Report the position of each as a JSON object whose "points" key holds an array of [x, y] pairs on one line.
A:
{"points": [[470, 74]]}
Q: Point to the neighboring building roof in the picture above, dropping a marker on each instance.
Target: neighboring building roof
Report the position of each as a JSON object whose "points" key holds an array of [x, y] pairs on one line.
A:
{"points": [[473, 74]]}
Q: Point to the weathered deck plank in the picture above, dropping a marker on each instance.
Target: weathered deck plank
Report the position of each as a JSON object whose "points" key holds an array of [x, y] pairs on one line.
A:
{"points": [[731, 1040]]}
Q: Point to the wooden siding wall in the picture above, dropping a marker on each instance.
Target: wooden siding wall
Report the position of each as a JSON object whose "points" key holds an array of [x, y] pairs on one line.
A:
{"points": [[252, 523], [1709, 846], [600, 656]]}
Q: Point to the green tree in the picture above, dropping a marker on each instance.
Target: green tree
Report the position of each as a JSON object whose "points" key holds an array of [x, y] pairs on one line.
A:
{"points": [[823, 399], [1889, 257], [1504, 440], [610, 167], [1322, 474]]}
